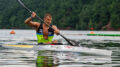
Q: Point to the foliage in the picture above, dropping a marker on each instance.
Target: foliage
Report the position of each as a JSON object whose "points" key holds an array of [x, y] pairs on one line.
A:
{"points": [[75, 14]]}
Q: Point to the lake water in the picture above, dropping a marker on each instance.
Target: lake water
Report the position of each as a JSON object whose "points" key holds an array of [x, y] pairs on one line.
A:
{"points": [[31, 58]]}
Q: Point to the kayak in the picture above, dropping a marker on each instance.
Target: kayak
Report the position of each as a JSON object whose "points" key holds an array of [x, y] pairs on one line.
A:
{"points": [[61, 48]]}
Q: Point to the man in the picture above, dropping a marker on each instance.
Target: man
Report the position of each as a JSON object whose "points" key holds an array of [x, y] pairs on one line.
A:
{"points": [[44, 32]]}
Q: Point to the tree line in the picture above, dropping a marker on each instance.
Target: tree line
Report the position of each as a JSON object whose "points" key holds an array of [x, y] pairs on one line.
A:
{"points": [[67, 14]]}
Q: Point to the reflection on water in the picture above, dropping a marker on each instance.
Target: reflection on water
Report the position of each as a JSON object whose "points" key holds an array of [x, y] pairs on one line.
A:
{"points": [[14, 58], [31, 58], [66, 59], [44, 61]]}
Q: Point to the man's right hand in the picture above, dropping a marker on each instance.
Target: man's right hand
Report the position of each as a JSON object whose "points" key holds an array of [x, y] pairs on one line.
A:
{"points": [[33, 15]]}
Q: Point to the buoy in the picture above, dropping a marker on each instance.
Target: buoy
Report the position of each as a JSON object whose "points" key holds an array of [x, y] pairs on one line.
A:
{"points": [[12, 32], [91, 32]]}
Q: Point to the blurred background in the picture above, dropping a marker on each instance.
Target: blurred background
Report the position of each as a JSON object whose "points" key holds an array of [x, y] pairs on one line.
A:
{"points": [[67, 14]]}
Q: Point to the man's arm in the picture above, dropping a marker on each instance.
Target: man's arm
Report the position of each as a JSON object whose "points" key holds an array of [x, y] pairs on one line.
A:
{"points": [[30, 22], [56, 30]]}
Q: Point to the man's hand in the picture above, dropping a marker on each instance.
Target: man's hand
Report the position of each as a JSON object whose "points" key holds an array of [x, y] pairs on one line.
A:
{"points": [[57, 32], [33, 15]]}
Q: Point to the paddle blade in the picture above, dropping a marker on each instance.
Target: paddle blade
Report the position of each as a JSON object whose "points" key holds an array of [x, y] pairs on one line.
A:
{"points": [[74, 43]]}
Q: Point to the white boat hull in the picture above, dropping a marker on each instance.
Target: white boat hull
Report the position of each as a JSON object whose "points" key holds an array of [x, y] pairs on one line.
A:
{"points": [[62, 48]]}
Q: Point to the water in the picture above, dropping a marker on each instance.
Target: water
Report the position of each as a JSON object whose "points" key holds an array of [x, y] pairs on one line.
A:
{"points": [[31, 58]]}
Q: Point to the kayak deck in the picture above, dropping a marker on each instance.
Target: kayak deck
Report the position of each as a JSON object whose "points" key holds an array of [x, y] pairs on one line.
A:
{"points": [[62, 48]]}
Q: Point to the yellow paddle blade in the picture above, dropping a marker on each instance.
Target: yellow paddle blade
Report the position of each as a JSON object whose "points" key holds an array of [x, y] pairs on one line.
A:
{"points": [[21, 46]]}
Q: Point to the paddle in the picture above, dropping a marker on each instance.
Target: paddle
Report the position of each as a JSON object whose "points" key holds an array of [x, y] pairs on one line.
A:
{"points": [[71, 42]]}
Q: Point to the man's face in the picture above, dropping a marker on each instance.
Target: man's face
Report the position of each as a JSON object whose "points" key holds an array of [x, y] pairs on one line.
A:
{"points": [[48, 19]]}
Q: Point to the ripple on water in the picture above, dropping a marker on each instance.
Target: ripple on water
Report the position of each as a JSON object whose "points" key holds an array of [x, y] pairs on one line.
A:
{"points": [[25, 58]]}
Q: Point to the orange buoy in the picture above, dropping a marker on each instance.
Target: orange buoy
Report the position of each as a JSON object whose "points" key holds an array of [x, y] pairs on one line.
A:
{"points": [[91, 32], [12, 32]]}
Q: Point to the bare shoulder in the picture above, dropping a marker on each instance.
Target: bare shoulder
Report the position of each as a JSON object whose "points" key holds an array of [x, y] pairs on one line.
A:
{"points": [[54, 26]]}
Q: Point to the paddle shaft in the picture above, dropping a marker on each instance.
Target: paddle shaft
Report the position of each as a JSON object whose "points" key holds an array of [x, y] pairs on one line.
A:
{"points": [[43, 21]]}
